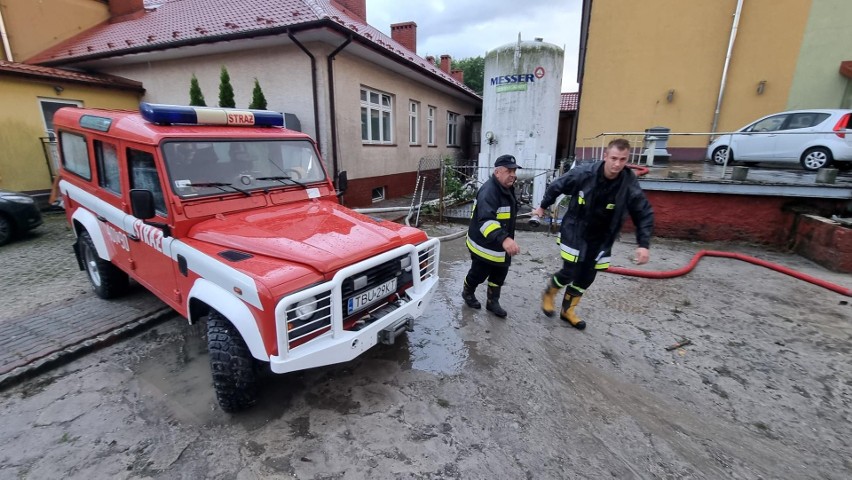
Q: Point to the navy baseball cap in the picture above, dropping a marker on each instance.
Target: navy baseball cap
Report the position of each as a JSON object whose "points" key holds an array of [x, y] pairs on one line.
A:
{"points": [[507, 161]]}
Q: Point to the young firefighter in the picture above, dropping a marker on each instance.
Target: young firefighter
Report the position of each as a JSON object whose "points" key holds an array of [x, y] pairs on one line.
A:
{"points": [[490, 235], [602, 194]]}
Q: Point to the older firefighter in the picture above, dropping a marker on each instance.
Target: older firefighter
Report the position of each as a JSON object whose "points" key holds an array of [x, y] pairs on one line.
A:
{"points": [[490, 235], [602, 194]]}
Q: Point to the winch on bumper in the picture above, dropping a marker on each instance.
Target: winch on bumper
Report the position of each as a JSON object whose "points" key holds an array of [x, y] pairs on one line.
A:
{"points": [[325, 305]]}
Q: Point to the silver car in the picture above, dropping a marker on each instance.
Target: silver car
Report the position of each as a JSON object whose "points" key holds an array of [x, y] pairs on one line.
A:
{"points": [[815, 138]]}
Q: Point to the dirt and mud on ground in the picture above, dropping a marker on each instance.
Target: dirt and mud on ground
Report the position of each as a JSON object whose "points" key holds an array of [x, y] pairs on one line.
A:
{"points": [[762, 391]]}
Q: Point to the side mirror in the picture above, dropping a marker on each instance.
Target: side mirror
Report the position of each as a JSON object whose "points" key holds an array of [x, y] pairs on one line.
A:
{"points": [[342, 182], [142, 203]]}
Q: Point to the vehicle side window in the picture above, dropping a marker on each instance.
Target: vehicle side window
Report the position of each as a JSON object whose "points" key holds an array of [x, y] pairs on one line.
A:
{"points": [[770, 124], [806, 120], [143, 174], [75, 155], [106, 156]]}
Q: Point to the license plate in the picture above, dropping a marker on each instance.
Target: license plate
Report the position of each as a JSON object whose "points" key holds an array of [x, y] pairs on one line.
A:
{"points": [[371, 296]]}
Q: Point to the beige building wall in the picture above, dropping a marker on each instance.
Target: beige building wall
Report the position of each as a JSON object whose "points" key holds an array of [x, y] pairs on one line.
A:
{"points": [[23, 164], [639, 52], [377, 160], [35, 25], [284, 74]]}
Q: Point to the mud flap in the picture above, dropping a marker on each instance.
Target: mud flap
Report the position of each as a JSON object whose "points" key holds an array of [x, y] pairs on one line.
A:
{"points": [[76, 248], [388, 334]]}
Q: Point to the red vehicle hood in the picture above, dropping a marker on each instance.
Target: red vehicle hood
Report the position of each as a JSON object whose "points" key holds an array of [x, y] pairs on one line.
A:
{"points": [[323, 235]]}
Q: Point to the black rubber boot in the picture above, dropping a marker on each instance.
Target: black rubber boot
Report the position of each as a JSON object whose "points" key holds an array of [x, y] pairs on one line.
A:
{"points": [[493, 302], [469, 297]]}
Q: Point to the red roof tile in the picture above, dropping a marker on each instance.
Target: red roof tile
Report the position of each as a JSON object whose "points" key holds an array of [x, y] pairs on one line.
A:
{"points": [[173, 23], [23, 69], [569, 102]]}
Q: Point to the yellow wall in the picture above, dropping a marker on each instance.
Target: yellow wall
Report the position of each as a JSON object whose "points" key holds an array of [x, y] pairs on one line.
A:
{"points": [[638, 51], [23, 166], [35, 25]]}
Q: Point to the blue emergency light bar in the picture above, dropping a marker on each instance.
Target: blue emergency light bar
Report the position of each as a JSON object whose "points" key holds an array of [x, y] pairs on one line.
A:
{"points": [[171, 114]]}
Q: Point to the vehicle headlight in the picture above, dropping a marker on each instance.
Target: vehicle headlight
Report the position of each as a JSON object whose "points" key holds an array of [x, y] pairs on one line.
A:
{"points": [[305, 309], [405, 263], [19, 199]]}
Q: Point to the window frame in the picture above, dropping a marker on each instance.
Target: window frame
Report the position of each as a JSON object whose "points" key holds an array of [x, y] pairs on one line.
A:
{"points": [[430, 121], [72, 164], [452, 129], [413, 122], [103, 161], [382, 111]]}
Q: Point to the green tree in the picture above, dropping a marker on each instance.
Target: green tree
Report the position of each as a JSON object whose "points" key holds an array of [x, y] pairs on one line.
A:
{"points": [[474, 71], [196, 98], [226, 91], [258, 100]]}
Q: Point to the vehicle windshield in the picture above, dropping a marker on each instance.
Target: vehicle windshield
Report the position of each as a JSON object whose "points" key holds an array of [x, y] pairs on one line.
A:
{"points": [[201, 168]]}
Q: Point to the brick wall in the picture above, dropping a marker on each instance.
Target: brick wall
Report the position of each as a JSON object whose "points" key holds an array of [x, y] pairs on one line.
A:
{"points": [[405, 34], [825, 242]]}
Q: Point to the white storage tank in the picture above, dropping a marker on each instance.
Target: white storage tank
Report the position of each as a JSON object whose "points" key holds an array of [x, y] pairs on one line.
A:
{"points": [[520, 110]]}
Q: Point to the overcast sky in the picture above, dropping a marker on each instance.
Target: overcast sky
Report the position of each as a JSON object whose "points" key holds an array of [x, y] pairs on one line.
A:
{"points": [[470, 28]]}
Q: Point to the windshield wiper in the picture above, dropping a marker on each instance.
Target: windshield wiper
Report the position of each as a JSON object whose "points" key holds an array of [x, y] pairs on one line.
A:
{"points": [[219, 185], [282, 178]]}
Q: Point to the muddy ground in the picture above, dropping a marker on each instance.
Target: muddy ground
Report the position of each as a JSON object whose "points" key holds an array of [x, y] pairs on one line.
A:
{"points": [[763, 391]]}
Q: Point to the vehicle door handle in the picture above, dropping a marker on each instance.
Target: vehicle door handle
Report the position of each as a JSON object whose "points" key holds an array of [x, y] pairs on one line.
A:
{"points": [[101, 218], [133, 237]]}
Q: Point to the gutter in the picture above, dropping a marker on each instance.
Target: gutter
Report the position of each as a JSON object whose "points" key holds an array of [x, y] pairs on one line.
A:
{"points": [[724, 80], [331, 103], [313, 84], [7, 49]]}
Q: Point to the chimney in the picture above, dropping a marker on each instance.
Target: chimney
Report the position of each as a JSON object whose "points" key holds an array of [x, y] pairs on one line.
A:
{"points": [[405, 34], [445, 63], [355, 8], [457, 74], [121, 10], [430, 59]]}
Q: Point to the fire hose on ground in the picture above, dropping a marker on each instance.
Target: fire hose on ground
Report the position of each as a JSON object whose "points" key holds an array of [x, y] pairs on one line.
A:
{"points": [[737, 256]]}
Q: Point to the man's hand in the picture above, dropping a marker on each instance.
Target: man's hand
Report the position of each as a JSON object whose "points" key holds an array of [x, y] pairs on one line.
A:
{"points": [[642, 256], [538, 212], [511, 246]]}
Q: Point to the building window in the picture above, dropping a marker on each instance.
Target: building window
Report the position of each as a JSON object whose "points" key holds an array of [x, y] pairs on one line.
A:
{"points": [[413, 122], [430, 122], [376, 117], [452, 128], [378, 194]]}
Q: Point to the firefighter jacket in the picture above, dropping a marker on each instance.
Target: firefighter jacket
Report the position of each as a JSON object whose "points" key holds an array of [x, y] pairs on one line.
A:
{"points": [[492, 220], [581, 183]]}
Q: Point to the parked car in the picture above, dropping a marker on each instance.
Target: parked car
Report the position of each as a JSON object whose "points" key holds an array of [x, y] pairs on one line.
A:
{"points": [[18, 214], [803, 136]]}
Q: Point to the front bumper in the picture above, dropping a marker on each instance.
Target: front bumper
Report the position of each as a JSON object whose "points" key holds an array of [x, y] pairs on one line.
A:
{"points": [[339, 345]]}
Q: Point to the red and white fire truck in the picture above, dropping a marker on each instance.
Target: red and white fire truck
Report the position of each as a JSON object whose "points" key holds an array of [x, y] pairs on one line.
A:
{"points": [[227, 216]]}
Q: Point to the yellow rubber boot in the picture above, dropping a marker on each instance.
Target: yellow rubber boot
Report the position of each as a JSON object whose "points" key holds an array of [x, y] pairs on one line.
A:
{"points": [[569, 303], [548, 299]]}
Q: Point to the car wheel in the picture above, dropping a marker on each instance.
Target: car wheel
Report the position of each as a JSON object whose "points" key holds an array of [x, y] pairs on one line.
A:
{"points": [[231, 363], [107, 280], [816, 158], [6, 230], [719, 156]]}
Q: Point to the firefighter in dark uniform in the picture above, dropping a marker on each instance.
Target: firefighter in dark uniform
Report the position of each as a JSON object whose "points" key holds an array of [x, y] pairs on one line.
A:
{"points": [[602, 195], [490, 235]]}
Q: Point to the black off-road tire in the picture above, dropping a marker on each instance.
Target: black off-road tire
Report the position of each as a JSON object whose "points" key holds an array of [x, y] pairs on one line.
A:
{"points": [[108, 281], [7, 230], [231, 363]]}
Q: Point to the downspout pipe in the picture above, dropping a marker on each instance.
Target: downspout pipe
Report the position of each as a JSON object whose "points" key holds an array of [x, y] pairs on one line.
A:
{"points": [[331, 103], [313, 84], [7, 49], [727, 64]]}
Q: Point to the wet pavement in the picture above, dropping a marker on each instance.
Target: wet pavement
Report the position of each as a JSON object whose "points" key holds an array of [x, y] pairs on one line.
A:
{"points": [[763, 391]]}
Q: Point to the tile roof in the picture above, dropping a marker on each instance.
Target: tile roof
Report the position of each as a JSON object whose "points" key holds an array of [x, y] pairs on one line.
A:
{"points": [[58, 74], [569, 102], [174, 23]]}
